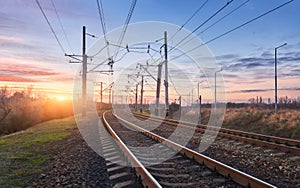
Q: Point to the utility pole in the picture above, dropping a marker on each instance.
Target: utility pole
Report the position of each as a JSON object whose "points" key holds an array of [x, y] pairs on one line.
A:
{"points": [[166, 75], [158, 88], [216, 87], [198, 94], [84, 71], [109, 96], [101, 93], [84, 68], [200, 99], [136, 96], [142, 88], [276, 107], [192, 97], [179, 106]]}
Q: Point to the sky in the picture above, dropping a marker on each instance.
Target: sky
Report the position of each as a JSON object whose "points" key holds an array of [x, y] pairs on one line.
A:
{"points": [[31, 56]]}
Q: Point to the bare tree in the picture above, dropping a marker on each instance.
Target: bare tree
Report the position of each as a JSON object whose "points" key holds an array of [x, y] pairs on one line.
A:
{"points": [[260, 100], [4, 103]]}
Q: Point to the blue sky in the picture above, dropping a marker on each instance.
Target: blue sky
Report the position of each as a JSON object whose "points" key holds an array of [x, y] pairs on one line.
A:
{"points": [[30, 55]]}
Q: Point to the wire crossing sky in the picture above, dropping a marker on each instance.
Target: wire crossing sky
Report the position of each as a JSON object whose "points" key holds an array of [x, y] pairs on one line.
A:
{"points": [[242, 35]]}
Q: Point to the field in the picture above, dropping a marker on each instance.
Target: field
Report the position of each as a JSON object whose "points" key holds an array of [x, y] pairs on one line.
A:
{"points": [[23, 155], [259, 120]]}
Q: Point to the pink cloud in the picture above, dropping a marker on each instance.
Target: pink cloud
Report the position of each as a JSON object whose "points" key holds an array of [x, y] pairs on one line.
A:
{"points": [[11, 78], [26, 70], [11, 39]]}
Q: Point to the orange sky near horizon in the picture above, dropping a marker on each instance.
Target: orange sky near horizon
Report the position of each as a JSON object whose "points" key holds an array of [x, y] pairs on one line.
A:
{"points": [[31, 56]]}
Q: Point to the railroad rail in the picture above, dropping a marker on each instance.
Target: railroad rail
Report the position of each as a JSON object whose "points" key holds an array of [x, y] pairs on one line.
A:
{"points": [[145, 177], [284, 144], [151, 179]]}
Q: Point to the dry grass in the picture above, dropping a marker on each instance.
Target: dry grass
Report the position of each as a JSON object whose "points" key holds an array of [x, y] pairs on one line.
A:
{"points": [[284, 124]]}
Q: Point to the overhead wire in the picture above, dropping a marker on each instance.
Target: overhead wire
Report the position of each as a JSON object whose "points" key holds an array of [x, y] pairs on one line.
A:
{"points": [[174, 85], [213, 24], [198, 27], [223, 17], [125, 27], [149, 85], [61, 25], [52, 30], [238, 27], [97, 65], [188, 20], [99, 51], [103, 25]]}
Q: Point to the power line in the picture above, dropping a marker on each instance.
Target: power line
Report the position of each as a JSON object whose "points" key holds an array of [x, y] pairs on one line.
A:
{"points": [[188, 20], [218, 21], [207, 20], [224, 17], [61, 25], [103, 25], [53, 32], [97, 65], [238, 27], [99, 51], [150, 85], [125, 26], [174, 85]]}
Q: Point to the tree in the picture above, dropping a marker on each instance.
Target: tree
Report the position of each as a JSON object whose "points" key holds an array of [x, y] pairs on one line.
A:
{"points": [[4, 104], [252, 100], [260, 100], [269, 101]]}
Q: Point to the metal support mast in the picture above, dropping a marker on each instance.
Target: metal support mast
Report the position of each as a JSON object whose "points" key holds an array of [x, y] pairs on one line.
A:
{"points": [[200, 100], [158, 88], [179, 106], [276, 98], [84, 71], [142, 91], [166, 75], [136, 96], [84, 68], [101, 93]]}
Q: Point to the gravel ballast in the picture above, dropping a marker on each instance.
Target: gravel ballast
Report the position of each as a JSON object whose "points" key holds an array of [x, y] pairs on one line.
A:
{"points": [[74, 165]]}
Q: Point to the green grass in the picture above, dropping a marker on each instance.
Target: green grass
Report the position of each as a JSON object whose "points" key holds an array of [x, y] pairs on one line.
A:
{"points": [[23, 156], [294, 131]]}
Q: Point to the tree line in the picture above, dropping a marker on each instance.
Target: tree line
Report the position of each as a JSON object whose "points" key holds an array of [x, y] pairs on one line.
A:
{"points": [[20, 110]]}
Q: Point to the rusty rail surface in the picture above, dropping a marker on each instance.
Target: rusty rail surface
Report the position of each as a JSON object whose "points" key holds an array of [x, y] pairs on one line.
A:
{"points": [[227, 171], [284, 144], [147, 179]]}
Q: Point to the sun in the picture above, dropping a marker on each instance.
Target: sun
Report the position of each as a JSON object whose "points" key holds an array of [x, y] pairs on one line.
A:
{"points": [[60, 98]]}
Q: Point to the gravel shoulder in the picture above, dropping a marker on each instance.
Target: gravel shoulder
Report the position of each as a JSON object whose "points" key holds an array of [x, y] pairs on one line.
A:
{"points": [[58, 157], [74, 165]]}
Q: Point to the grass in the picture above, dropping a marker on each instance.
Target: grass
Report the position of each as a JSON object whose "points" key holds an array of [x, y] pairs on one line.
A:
{"points": [[264, 121], [23, 155], [259, 120]]}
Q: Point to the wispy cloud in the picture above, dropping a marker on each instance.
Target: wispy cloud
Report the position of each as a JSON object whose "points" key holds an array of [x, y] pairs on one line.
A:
{"points": [[26, 70], [264, 90], [262, 64], [12, 78], [4, 39]]}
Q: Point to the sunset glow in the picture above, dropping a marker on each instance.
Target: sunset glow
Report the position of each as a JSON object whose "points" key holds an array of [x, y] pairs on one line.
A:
{"points": [[30, 54], [61, 98]]}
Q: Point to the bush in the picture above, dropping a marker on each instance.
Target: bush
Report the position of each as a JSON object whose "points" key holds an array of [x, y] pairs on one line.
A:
{"points": [[20, 111]]}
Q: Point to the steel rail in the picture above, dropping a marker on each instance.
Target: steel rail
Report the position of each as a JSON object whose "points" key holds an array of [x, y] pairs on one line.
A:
{"points": [[227, 171], [285, 144], [147, 179]]}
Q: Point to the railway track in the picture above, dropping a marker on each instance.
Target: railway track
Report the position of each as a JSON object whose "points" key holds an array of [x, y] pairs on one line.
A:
{"points": [[183, 168], [120, 174], [272, 142]]}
